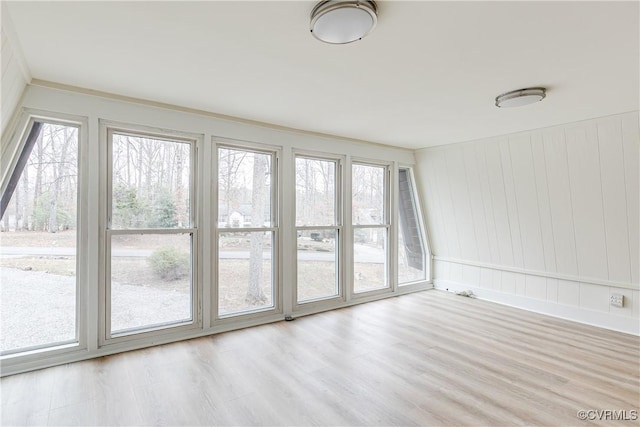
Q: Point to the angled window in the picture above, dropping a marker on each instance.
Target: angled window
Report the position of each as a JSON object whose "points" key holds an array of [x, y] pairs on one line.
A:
{"points": [[317, 228], [370, 219], [150, 233], [412, 265], [246, 232], [38, 245]]}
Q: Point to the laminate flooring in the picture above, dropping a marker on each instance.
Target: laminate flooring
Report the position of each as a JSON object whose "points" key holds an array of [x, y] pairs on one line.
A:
{"points": [[428, 358]]}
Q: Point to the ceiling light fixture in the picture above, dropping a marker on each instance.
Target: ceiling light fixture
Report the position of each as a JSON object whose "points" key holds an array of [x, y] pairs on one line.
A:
{"points": [[343, 21], [520, 97]]}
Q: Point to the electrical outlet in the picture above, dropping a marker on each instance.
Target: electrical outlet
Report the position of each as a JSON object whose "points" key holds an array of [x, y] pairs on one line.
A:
{"points": [[617, 300]]}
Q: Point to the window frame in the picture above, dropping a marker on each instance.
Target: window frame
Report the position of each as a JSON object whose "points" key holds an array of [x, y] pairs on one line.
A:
{"points": [[108, 129], [275, 228], [339, 227], [15, 145], [388, 200]]}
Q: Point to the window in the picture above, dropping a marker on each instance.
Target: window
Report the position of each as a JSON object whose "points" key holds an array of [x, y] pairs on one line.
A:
{"points": [[370, 227], [150, 233], [246, 232], [411, 248], [38, 246], [317, 228]]}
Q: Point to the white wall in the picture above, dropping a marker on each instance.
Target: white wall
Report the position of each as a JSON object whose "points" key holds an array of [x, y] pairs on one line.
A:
{"points": [[546, 220], [15, 74]]}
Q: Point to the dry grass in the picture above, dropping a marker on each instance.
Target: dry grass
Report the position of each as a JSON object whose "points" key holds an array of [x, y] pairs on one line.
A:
{"points": [[60, 265], [316, 279]]}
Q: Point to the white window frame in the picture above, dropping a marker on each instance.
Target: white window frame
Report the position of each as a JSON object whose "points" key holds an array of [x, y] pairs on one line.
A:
{"points": [[194, 140], [388, 198], [275, 228], [11, 151], [339, 215]]}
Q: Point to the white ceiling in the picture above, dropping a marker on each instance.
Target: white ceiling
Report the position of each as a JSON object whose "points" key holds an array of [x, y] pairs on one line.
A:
{"points": [[427, 75]]}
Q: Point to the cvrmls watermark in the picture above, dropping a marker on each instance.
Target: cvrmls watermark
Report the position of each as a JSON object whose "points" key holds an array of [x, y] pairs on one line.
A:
{"points": [[608, 414]]}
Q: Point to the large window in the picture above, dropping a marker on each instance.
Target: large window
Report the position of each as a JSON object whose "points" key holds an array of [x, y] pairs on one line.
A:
{"points": [[150, 233], [318, 228], [39, 223], [370, 221], [102, 248], [412, 265], [246, 231]]}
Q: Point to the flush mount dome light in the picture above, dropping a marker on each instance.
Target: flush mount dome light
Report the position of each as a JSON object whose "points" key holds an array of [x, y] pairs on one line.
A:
{"points": [[343, 21], [520, 97]]}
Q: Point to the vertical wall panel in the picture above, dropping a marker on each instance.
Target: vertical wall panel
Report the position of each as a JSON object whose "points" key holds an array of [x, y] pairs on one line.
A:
{"points": [[462, 208], [521, 284], [563, 201], [586, 191], [568, 293], [486, 278], [477, 204], [512, 203], [631, 146], [499, 203], [508, 282], [614, 197], [13, 81], [594, 297], [439, 231], [442, 181], [426, 176], [7, 52], [455, 272], [471, 275], [527, 201], [485, 195], [544, 207], [536, 287], [560, 201], [552, 290]]}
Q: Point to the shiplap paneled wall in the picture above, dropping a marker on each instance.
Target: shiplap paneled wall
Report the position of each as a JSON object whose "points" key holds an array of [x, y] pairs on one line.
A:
{"points": [[15, 75], [546, 220]]}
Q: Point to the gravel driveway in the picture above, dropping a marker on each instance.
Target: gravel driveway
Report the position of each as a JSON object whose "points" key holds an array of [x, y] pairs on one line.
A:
{"points": [[39, 308]]}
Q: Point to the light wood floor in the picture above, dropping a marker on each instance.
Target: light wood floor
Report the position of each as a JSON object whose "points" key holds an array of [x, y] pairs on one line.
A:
{"points": [[430, 358]]}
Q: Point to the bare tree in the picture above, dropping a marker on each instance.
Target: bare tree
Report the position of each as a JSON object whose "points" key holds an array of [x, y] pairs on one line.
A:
{"points": [[58, 176], [255, 294], [229, 163]]}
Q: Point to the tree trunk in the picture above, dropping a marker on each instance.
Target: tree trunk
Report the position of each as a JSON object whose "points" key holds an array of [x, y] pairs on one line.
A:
{"points": [[255, 294], [59, 169], [37, 190], [179, 193], [25, 198], [16, 198]]}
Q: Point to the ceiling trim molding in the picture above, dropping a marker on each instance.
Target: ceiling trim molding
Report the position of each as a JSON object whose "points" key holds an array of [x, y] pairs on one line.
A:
{"points": [[183, 109]]}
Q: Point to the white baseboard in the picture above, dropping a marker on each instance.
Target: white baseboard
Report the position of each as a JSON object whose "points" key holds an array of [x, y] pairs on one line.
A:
{"points": [[624, 324]]}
